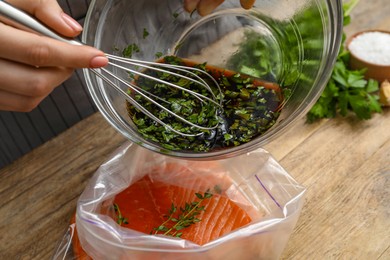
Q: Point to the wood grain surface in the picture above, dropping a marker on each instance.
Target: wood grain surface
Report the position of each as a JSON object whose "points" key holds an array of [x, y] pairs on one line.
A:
{"points": [[343, 162]]}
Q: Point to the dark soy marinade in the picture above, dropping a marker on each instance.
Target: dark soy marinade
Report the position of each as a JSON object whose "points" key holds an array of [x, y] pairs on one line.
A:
{"points": [[250, 107]]}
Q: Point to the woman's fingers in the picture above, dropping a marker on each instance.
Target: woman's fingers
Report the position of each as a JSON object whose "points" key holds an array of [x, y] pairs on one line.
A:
{"points": [[23, 87], [205, 7], [18, 103], [247, 4], [190, 5], [51, 14], [35, 50], [31, 66], [30, 81]]}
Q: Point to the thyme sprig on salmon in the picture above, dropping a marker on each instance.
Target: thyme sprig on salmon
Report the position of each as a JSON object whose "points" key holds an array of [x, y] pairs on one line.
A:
{"points": [[173, 225], [119, 218], [147, 203]]}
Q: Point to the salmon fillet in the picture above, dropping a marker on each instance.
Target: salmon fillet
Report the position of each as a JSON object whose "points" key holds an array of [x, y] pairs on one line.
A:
{"points": [[147, 202]]}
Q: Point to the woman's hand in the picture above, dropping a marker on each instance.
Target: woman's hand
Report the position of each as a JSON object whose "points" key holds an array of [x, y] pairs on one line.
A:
{"points": [[204, 7], [31, 66]]}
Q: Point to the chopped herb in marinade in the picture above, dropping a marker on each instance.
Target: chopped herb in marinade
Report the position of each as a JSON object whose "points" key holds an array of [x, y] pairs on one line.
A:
{"points": [[130, 50], [158, 55], [249, 108], [175, 15], [145, 33]]}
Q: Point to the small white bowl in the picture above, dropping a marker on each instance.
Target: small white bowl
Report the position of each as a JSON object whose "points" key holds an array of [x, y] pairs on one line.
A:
{"points": [[374, 71]]}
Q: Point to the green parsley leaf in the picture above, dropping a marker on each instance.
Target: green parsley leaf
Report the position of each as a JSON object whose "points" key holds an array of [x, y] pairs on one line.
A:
{"points": [[130, 50], [347, 90], [145, 33], [158, 55]]}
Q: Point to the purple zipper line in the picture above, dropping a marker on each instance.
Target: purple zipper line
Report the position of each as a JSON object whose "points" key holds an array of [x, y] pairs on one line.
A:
{"points": [[98, 224], [269, 194]]}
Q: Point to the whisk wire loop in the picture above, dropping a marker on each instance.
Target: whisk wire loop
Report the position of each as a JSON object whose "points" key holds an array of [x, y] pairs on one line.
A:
{"points": [[108, 77], [185, 69], [136, 104]]}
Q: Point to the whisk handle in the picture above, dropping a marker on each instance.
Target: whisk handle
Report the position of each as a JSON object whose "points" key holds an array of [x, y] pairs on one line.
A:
{"points": [[15, 17]]}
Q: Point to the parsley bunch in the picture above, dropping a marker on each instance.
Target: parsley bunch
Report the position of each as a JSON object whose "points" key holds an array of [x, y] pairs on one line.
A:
{"points": [[347, 90]]}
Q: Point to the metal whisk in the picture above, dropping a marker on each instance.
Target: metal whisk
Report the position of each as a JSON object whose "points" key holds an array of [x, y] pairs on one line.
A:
{"points": [[24, 21]]}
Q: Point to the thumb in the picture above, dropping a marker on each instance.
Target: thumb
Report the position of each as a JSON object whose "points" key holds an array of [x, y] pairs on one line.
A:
{"points": [[207, 6], [247, 4], [51, 14]]}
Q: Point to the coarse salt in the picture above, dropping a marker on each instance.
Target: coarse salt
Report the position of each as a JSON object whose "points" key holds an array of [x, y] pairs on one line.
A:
{"points": [[373, 47]]}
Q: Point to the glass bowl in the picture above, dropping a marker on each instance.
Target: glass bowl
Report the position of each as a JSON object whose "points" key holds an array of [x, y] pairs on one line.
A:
{"points": [[293, 43]]}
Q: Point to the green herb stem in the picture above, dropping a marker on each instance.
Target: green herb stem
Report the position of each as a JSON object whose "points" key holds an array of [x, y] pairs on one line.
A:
{"points": [[184, 220], [120, 219], [181, 222]]}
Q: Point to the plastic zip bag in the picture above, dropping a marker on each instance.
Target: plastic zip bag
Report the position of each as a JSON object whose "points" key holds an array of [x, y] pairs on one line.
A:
{"points": [[255, 181]]}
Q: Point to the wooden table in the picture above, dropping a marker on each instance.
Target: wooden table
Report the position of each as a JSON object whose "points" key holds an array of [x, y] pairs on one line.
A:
{"points": [[344, 163]]}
